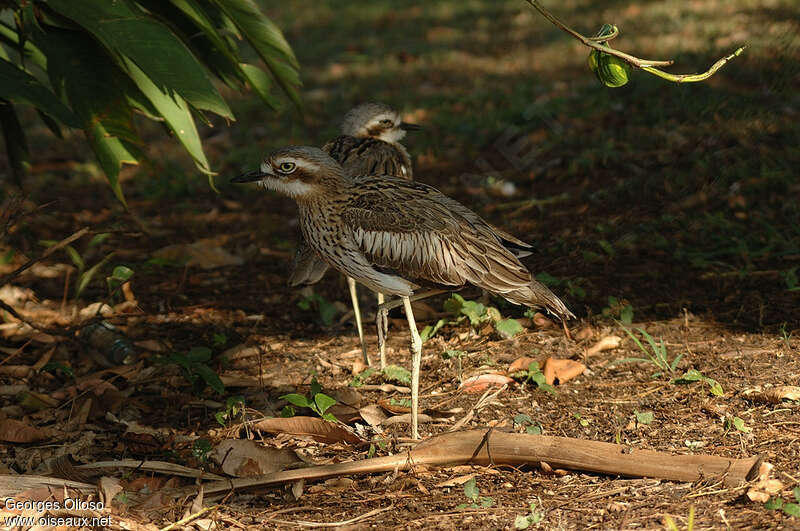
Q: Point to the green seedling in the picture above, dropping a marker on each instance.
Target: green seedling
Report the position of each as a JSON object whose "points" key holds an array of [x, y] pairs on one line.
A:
{"points": [[429, 331], [789, 508], [201, 448], [656, 354], [693, 375], [327, 310], [455, 355], [119, 276], [194, 367], [234, 407], [80, 260], [535, 375], [472, 493], [619, 308], [737, 424], [791, 280], [523, 420], [318, 402], [582, 421], [535, 516], [219, 340], [393, 373], [359, 379], [643, 417]]}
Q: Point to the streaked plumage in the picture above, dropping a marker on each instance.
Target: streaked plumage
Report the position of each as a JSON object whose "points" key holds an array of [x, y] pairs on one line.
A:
{"points": [[369, 145], [395, 236]]}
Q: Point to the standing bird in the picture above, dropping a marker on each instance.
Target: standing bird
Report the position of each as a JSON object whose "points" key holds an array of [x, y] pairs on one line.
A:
{"points": [[369, 145], [396, 236]]}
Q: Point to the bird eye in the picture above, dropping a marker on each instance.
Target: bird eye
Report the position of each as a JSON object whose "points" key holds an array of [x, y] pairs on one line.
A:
{"points": [[387, 121], [287, 167]]}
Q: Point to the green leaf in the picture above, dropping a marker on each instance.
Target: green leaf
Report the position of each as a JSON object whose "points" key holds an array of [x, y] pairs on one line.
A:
{"points": [[86, 276], [199, 355], [521, 522], [119, 276], [268, 41], [522, 419], [397, 374], [796, 494], [644, 417], [429, 331], [323, 402], [75, 256], [692, 375], [134, 38], [176, 114], [534, 429], [739, 424], [19, 158], [792, 509], [327, 311], [773, 504], [626, 315], [261, 83], [20, 87], [209, 377], [296, 399], [471, 489], [288, 412], [111, 154], [315, 386], [508, 328], [454, 304], [474, 311], [451, 354]]}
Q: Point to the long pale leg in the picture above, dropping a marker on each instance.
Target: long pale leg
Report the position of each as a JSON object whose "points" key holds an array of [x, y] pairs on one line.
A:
{"points": [[382, 323], [416, 360], [357, 311]]}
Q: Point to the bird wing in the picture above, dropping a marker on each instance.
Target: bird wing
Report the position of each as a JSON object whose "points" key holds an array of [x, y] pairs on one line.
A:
{"points": [[369, 156], [422, 235], [307, 267]]}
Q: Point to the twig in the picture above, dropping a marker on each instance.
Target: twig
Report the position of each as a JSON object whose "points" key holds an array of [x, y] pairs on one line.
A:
{"points": [[190, 518], [648, 65], [5, 279], [303, 523]]}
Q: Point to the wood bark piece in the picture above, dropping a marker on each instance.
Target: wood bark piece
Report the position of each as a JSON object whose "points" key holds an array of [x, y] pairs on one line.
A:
{"points": [[484, 447]]}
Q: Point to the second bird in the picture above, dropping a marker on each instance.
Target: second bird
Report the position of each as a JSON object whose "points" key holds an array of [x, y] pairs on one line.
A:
{"points": [[369, 145]]}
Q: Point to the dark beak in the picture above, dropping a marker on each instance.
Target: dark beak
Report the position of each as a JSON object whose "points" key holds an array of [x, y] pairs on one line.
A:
{"points": [[255, 175], [409, 127]]}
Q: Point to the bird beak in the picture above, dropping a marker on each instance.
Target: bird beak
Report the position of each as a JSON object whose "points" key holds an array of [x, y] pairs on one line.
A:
{"points": [[251, 176], [405, 126]]}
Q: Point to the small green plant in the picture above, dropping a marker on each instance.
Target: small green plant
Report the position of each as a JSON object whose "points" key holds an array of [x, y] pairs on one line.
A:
{"points": [[194, 366], [472, 493], [643, 417], [393, 373], [429, 331], [119, 276], [671, 526], [201, 448], [693, 375], [327, 310], [55, 367], [737, 424], [359, 379], [535, 516], [85, 273], [535, 375], [789, 508], [621, 309], [455, 355], [656, 354], [582, 421], [220, 340], [234, 407], [523, 420], [318, 402], [791, 279]]}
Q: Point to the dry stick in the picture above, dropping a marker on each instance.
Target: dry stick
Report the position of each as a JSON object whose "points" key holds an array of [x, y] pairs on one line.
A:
{"points": [[644, 64], [473, 447]]}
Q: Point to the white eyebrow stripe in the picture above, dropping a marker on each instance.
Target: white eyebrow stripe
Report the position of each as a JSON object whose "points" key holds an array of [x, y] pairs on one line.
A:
{"points": [[300, 163]]}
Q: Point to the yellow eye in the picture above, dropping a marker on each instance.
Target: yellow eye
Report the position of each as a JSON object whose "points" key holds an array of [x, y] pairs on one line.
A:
{"points": [[387, 121], [287, 167]]}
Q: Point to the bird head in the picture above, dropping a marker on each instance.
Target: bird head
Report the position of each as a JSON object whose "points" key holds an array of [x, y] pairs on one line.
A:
{"points": [[295, 171], [375, 120]]}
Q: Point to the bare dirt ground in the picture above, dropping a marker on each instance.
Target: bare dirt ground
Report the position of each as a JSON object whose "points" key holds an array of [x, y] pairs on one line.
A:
{"points": [[674, 208]]}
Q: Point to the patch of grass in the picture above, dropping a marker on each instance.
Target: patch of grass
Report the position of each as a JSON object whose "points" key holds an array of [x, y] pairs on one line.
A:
{"points": [[234, 407], [656, 355]]}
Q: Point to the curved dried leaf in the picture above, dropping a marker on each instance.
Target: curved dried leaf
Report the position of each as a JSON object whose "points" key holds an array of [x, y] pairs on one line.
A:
{"points": [[14, 431], [319, 429]]}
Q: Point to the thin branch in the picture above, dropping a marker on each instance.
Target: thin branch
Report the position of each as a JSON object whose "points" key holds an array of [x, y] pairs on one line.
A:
{"points": [[5, 279], [648, 65]]}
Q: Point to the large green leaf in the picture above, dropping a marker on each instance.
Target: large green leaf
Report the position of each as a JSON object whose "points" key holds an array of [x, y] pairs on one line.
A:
{"points": [[111, 153], [19, 86], [176, 114], [261, 82], [10, 36], [268, 41], [138, 39], [16, 145]]}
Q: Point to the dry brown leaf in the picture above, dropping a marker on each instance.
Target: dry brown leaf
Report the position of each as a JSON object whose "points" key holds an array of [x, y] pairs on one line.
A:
{"points": [[372, 414], [481, 382], [319, 429], [764, 488], [585, 332], [243, 458], [207, 254], [521, 364], [452, 482], [541, 321], [561, 370], [606, 343], [14, 431], [393, 408], [109, 487], [774, 395]]}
